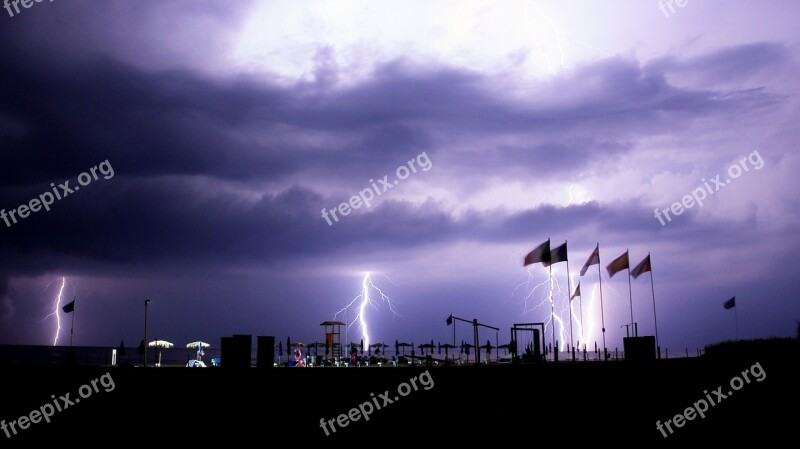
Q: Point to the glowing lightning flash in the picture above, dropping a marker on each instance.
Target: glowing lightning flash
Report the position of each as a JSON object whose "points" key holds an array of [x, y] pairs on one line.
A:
{"points": [[548, 296], [365, 300], [56, 308]]}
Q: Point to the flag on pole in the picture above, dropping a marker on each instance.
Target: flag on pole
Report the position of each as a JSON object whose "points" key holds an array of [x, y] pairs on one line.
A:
{"points": [[69, 307], [540, 254], [729, 304], [450, 320], [577, 292], [643, 267], [618, 264], [594, 259], [557, 255]]}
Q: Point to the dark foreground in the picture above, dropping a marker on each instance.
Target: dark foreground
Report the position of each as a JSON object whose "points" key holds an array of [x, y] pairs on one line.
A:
{"points": [[616, 402]]}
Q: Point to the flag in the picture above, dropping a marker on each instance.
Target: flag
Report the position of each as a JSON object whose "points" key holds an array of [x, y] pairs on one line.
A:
{"points": [[557, 255], [69, 307], [729, 304], [594, 259], [450, 320], [577, 292], [540, 254], [618, 264], [643, 267]]}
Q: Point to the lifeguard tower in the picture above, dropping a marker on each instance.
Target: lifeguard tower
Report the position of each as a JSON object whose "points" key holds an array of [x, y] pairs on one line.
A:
{"points": [[333, 337]]}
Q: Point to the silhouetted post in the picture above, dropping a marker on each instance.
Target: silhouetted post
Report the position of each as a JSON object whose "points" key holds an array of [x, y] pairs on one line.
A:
{"points": [[580, 307], [454, 331], [630, 289], [602, 318], [553, 314], [146, 303], [653, 289], [72, 326], [569, 302], [477, 348]]}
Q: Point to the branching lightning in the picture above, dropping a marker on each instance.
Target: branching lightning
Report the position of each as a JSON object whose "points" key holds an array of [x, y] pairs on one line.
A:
{"points": [[539, 23], [57, 308], [562, 56], [362, 300], [550, 291]]}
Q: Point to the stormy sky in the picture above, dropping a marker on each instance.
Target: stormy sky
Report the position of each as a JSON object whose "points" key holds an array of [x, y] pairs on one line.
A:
{"points": [[227, 127]]}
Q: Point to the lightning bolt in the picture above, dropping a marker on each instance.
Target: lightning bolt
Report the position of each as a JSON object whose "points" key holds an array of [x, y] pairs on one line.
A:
{"points": [[538, 295], [569, 192], [547, 296], [589, 329], [552, 50], [57, 307], [562, 55], [362, 300]]}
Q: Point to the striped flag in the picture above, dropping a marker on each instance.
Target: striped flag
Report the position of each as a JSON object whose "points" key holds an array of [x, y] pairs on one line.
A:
{"points": [[618, 264], [594, 259], [643, 267], [540, 254]]}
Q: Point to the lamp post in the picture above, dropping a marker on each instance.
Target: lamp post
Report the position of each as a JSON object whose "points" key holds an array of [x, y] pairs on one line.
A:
{"points": [[146, 303]]}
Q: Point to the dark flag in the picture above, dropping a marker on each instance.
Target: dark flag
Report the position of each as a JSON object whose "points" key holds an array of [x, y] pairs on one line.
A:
{"points": [[540, 254], [577, 292], [618, 264], [450, 320], [557, 255], [69, 307], [643, 267], [594, 259], [729, 304]]}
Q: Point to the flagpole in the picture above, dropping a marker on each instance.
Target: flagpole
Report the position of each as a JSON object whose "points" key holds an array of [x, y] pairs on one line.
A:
{"points": [[602, 318], [72, 326], [580, 308], [569, 301], [653, 289], [454, 330], [630, 293], [552, 316]]}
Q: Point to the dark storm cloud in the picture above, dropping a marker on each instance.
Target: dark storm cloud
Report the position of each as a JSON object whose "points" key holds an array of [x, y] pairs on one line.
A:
{"points": [[734, 63], [58, 121], [175, 139], [221, 172]]}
